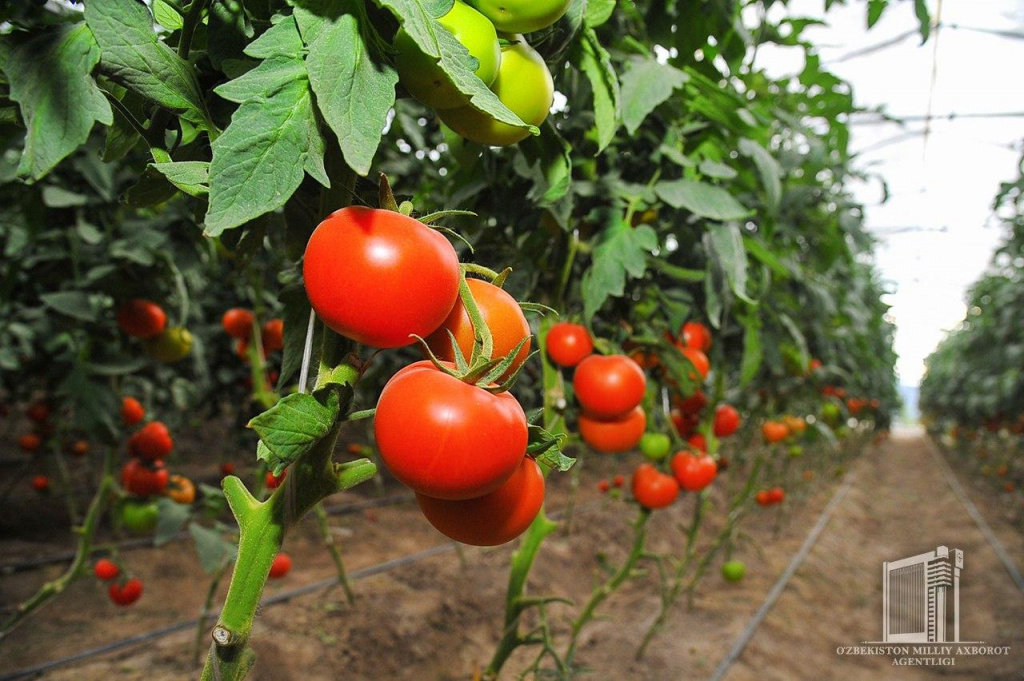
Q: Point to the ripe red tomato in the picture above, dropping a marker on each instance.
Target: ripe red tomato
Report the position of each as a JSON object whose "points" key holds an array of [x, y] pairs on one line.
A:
{"points": [[653, 489], [699, 361], [776, 495], [237, 323], [569, 344], [106, 569], [281, 566], [132, 411], [727, 420], [618, 481], [141, 318], [608, 386], [619, 434], [603, 486], [41, 484], [494, 518], [274, 481], [377, 276], [697, 336], [763, 498], [144, 479], [30, 442], [38, 412], [693, 404], [773, 431], [698, 442], [152, 442], [503, 317], [445, 438], [79, 448], [815, 365], [693, 473], [227, 469], [127, 593], [273, 336]]}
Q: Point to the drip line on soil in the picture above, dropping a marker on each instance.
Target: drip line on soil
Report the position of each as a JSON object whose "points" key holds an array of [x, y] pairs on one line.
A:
{"points": [[780, 585], [973, 511], [284, 597], [147, 542]]}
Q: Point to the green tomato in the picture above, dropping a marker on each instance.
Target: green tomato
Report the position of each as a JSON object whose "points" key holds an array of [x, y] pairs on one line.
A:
{"points": [[655, 446], [522, 16], [796, 450], [172, 345], [733, 570], [523, 84], [138, 516], [830, 414], [422, 76]]}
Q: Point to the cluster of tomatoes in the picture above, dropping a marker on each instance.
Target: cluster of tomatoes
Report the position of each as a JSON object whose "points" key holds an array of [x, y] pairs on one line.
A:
{"points": [[147, 321], [31, 442], [240, 324], [457, 440], [492, 33], [121, 591], [770, 497], [145, 475]]}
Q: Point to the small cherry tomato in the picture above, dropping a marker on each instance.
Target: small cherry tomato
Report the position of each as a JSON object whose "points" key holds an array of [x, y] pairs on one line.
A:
{"points": [[697, 336], [127, 593], [274, 481], [106, 569], [30, 442], [38, 412], [776, 495], [569, 344], [132, 411], [281, 566], [41, 484], [727, 420], [141, 318], [693, 473], [273, 336]]}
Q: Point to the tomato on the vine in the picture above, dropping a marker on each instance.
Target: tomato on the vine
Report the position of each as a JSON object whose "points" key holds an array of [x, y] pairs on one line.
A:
{"points": [[138, 516], [613, 435], [144, 479], [776, 495], [445, 438], [522, 16], [181, 490], [763, 498], [727, 420], [132, 411], [693, 404], [237, 323], [106, 569], [608, 386], [698, 442], [38, 412], [41, 484], [501, 314], [693, 473], [378, 277], [30, 442], [699, 361], [683, 423], [272, 336], [141, 318], [653, 489], [152, 442], [697, 336], [568, 344], [79, 448], [733, 570], [655, 446], [127, 593], [274, 481], [493, 518], [281, 566], [171, 345], [773, 432]]}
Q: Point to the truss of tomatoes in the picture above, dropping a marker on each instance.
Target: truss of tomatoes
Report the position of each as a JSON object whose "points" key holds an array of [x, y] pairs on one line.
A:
{"points": [[456, 437]]}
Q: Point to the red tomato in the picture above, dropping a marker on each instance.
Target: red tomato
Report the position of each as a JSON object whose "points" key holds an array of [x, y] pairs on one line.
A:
{"points": [[613, 435], [773, 431], [106, 569], [38, 412], [79, 448], [699, 361], [603, 486], [763, 498], [569, 344], [237, 323], [653, 489], [131, 411], [141, 318], [281, 566], [41, 484], [618, 481], [494, 518], [227, 469], [152, 442], [698, 442], [30, 442], [608, 386], [378, 277], [144, 479], [776, 495], [693, 473], [127, 593], [445, 438], [274, 481], [503, 317], [697, 336], [815, 364], [273, 336], [727, 420], [693, 404]]}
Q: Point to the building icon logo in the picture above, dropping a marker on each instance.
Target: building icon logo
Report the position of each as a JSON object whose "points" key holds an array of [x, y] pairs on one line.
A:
{"points": [[920, 596]]}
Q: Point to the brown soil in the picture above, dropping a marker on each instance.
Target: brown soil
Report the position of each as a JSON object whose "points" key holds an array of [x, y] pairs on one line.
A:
{"points": [[439, 618]]}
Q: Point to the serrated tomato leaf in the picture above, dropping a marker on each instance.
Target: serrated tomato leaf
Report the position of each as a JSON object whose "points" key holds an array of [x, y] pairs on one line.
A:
{"points": [[292, 426]]}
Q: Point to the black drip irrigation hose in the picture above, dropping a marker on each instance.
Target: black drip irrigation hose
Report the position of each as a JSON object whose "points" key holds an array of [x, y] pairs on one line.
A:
{"points": [[370, 571], [147, 542]]}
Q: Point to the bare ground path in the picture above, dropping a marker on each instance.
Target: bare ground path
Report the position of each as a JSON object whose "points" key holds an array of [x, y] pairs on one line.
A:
{"points": [[900, 504]]}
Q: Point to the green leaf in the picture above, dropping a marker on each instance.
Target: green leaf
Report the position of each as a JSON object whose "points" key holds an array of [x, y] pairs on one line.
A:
{"points": [[58, 197], [354, 91], [761, 252], [132, 55], [623, 251], [875, 10], [74, 304], [727, 245], [213, 550], [798, 336], [170, 521], [645, 85], [753, 350], [767, 167], [545, 161], [435, 41], [719, 171], [292, 426], [167, 16], [190, 177], [597, 65], [701, 199], [924, 19], [598, 12], [50, 79], [546, 448]]}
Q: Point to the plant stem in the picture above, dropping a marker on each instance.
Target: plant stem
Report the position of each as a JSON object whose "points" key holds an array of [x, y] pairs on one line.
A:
{"points": [[86, 534], [331, 544], [211, 593]]}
